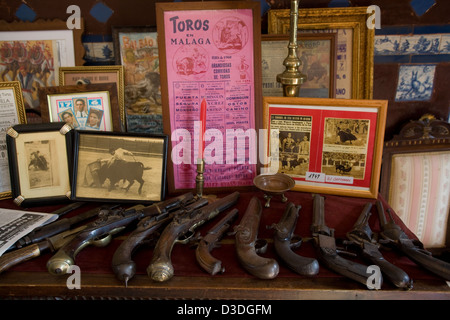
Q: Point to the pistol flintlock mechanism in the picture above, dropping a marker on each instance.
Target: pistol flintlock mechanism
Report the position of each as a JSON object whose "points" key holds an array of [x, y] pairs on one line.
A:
{"points": [[247, 248]]}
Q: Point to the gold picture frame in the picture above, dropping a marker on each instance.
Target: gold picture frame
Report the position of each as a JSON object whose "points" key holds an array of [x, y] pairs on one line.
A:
{"points": [[355, 43], [12, 112], [331, 146], [96, 74]]}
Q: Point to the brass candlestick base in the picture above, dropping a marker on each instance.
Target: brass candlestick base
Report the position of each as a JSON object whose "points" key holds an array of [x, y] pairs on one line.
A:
{"points": [[200, 182], [291, 79]]}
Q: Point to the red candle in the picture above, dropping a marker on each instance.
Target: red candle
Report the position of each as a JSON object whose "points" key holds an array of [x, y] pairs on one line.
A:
{"points": [[202, 128]]}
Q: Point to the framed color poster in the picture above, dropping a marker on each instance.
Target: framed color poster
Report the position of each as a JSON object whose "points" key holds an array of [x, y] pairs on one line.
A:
{"points": [[210, 51]]}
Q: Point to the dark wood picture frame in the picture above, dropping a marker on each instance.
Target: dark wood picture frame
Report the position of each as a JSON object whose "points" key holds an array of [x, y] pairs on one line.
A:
{"points": [[217, 17], [40, 162], [94, 75], [108, 89], [138, 175]]}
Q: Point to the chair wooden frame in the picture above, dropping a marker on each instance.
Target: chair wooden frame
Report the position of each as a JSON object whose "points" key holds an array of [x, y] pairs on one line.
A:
{"points": [[425, 135]]}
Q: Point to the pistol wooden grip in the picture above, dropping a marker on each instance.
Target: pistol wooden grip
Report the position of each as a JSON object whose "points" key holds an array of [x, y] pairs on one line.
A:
{"points": [[13, 258], [206, 260]]}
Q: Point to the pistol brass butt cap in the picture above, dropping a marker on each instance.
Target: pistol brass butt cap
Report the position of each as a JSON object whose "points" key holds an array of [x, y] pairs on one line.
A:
{"points": [[58, 267], [160, 272]]}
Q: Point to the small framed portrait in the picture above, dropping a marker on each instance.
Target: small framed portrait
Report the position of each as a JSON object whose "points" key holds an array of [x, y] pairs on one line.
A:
{"points": [[119, 167], [68, 117], [79, 100], [40, 161]]}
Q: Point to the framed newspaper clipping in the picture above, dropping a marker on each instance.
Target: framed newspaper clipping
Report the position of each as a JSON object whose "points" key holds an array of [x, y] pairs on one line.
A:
{"points": [[210, 51], [331, 146], [12, 112]]}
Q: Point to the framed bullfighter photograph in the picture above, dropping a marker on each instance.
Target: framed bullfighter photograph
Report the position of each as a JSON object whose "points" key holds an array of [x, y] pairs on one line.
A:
{"points": [[40, 162], [119, 167], [329, 146]]}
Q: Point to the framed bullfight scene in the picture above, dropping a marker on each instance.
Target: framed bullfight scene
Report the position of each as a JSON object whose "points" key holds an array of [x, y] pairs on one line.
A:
{"points": [[119, 167], [329, 146], [40, 162]]}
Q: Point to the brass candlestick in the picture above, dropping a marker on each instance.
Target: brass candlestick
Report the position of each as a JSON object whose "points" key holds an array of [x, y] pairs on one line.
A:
{"points": [[292, 78], [199, 179], [200, 182]]}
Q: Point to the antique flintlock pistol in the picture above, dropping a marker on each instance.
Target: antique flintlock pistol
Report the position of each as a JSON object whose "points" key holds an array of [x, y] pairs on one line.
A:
{"points": [[100, 231], [210, 241], [122, 264], [282, 239], [326, 247], [361, 236], [160, 267], [393, 235], [248, 247]]}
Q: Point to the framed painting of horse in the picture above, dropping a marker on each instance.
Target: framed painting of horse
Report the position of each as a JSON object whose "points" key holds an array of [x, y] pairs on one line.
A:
{"points": [[326, 145], [40, 162], [119, 167]]}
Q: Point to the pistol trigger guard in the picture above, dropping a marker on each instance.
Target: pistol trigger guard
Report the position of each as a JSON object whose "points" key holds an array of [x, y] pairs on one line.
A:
{"points": [[103, 241], [185, 238], [260, 246], [296, 242]]}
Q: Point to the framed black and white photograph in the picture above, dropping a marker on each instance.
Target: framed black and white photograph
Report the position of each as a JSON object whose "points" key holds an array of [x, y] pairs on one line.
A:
{"points": [[40, 158], [119, 167]]}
